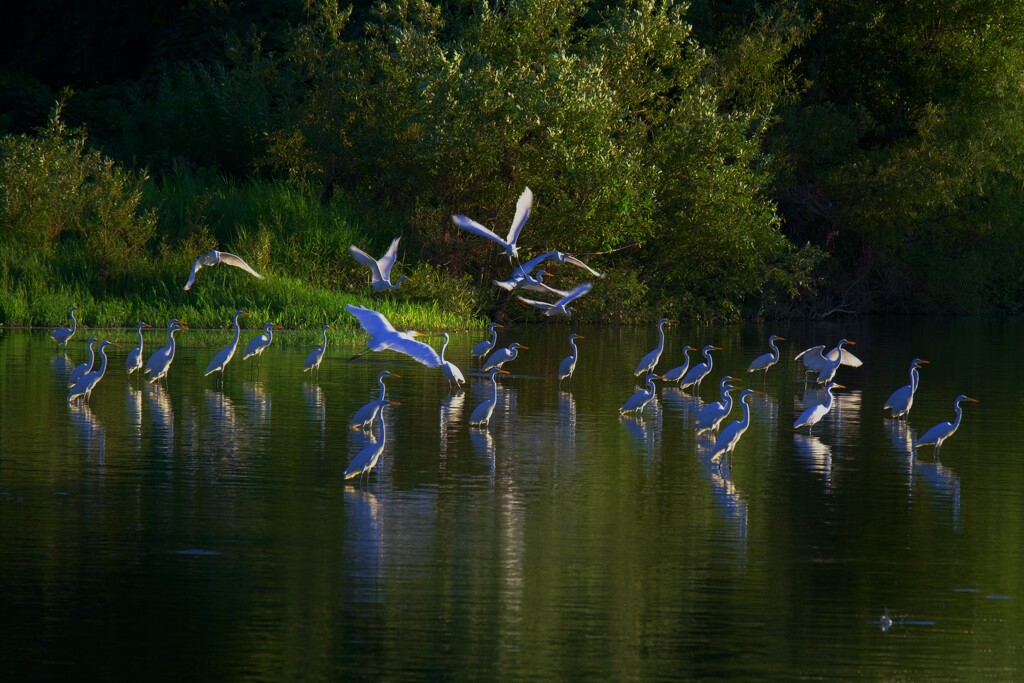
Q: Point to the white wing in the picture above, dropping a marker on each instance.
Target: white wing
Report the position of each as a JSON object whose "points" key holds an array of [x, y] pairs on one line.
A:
{"points": [[576, 262], [192, 276], [849, 359], [417, 350], [539, 304], [526, 268], [233, 260], [574, 294], [366, 260], [387, 261], [470, 225], [812, 357], [372, 321], [523, 207]]}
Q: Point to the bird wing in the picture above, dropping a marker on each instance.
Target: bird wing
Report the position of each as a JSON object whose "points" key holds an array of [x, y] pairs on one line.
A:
{"points": [[541, 287], [236, 261], [811, 357], [470, 225], [417, 350], [851, 360], [526, 268], [543, 305], [523, 207], [932, 435], [574, 294], [761, 361], [196, 265], [898, 399], [387, 261], [507, 285], [367, 260], [576, 262], [372, 321]]}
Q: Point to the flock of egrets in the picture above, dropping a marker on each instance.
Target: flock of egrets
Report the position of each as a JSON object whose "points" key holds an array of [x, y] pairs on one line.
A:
{"points": [[527, 276]]}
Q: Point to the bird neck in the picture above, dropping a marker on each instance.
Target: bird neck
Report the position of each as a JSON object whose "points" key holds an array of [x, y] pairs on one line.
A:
{"points": [[650, 384], [572, 343], [746, 412], [238, 332], [103, 363], [443, 347], [707, 357], [494, 387], [383, 389], [74, 322], [325, 339], [915, 379], [170, 341], [92, 354], [959, 414], [661, 336], [140, 337], [775, 350]]}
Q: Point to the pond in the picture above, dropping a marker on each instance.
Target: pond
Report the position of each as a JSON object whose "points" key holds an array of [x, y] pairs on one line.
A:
{"points": [[193, 531]]}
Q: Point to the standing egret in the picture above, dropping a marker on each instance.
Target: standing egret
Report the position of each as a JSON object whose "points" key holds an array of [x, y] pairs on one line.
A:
{"points": [[89, 380], [639, 400], [813, 415], [481, 415], [316, 356], [712, 414], [384, 337], [451, 371], [568, 365], [560, 307], [61, 335], [767, 360], [648, 362], [224, 356], [213, 258], [134, 360], [85, 367], [160, 362], [677, 373], [942, 431], [903, 398], [502, 356], [481, 349], [523, 207], [815, 359], [730, 435], [367, 458], [258, 344], [699, 371], [365, 416], [380, 269]]}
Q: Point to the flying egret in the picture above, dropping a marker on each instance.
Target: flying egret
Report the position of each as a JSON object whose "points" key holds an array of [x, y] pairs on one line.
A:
{"points": [[713, 413], [648, 362], [767, 360], [367, 458], [160, 362], [258, 344], [568, 365], [224, 356], [942, 431], [85, 367], [502, 356], [61, 335], [698, 372], [677, 373], [89, 380], [481, 415], [560, 307], [813, 415], [380, 269], [365, 416], [903, 398], [384, 337], [481, 349], [730, 435], [213, 258], [523, 207], [532, 282], [316, 356], [134, 360], [560, 257], [815, 359], [639, 400], [451, 371]]}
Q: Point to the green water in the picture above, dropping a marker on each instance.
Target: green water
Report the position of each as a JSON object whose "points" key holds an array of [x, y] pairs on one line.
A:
{"points": [[189, 533]]}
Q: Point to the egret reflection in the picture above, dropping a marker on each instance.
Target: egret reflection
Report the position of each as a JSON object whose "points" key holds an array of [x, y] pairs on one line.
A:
{"points": [[91, 430], [223, 422], [728, 500], [943, 484], [163, 414], [449, 414], [314, 397], [257, 401], [133, 413], [816, 455]]}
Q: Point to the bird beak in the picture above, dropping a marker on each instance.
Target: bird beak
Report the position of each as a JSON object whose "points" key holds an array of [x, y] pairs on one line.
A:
{"points": [[923, 362], [246, 313], [394, 375], [147, 325], [973, 400], [716, 348], [852, 342], [499, 325], [780, 339], [278, 327], [524, 347], [672, 322], [330, 327], [838, 386], [394, 403], [580, 336], [506, 372]]}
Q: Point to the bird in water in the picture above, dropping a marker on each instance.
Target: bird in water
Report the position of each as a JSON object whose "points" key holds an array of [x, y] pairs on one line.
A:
{"points": [[160, 362], [134, 360], [364, 417], [523, 207], [367, 458], [568, 364], [813, 415], [61, 335], [816, 360], [698, 372], [713, 413], [224, 356], [502, 356], [213, 258], [938, 434], [380, 269], [730, 435], [650, 361], [384, 337], [88, 381], [258, 344], [677, 373], [639, 400], [316, 356], [451, 370], [85, 367], [481, 415], [765, 361], [482, 348], [902, 399]]}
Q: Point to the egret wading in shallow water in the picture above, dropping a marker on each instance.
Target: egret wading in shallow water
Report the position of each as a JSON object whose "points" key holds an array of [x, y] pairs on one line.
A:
{"points": [[481, 415], [814, 414], [832, 363], [560, 307], [384, 337], [258, 344], [160, 362], [502, 356], [213, 258], [767, 360], [523, 207], [699, 371], [380, 269], [364, 417], [815, 359], [677, 373], [650, 361], [481, 349], [568, 365], [903, 398], [85, 367], [713, 413], [942, 431], [316, 356], [367, 458], [61, 335], [89, 380], [639, 400], [134, 360], [224, 356], [451, 371], [730, 435]]}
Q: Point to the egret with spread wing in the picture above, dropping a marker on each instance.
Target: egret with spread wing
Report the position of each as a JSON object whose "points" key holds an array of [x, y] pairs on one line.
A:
{"points": [[560, 307], [558, 256], [815, 359], [942, 431], [380, 269], [523, 207], [213, 258], [384, 337]]}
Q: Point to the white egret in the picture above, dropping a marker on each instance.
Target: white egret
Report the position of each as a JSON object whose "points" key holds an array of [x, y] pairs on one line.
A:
{"points": [[89, 380], [213, 258], [532, 282], [560, 307], [815, 359], [698, 372], [903, 398], [730, 435], [558, 256], [316, 356], [713, 413], [451, 371], [813, 415], [677, 373], [134, 360], [568, 365], [502, 356], [380, 269], [384, 337], [224, 356], [481, 415], [85, 367], [832, 363], [258, 344], [639, 400], [648, 362], [481, 349], [942, 431], [160, 362], [523, 207], [61, 335], [365, 416], [767, 360], [367, 458]]}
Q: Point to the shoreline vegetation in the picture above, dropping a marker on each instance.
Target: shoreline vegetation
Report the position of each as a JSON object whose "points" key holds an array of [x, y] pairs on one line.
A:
{"points": [[718, 161]]}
